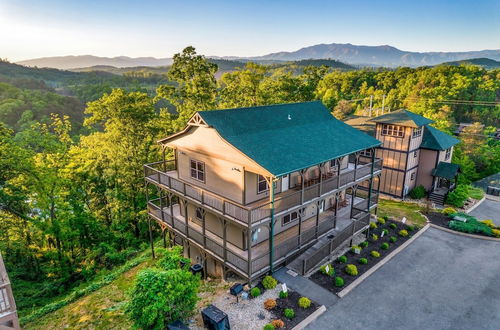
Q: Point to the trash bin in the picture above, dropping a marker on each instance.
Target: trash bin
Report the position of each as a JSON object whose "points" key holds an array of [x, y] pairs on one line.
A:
{"points": [[177, 325], [236, 289], [197, 269], [215, 319]]}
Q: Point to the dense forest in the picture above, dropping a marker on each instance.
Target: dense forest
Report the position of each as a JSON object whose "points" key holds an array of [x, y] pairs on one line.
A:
{"points": [[72, 146]]}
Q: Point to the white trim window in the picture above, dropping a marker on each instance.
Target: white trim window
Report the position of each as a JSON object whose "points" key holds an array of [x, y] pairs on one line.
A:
{"points": [[447, 154], [290, 217], [262, 185], [197, 170], [417, 132], [393, 130]]}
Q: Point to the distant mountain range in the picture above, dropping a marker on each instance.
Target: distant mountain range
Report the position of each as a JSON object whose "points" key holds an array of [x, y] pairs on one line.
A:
{"points": [[387, 56], [484, 62]]}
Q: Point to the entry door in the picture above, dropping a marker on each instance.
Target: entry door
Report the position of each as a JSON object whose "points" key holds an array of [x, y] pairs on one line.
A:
{"points": [[284, 183]]}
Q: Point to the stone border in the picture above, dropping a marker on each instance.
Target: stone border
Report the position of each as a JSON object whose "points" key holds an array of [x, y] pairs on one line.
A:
{"points": [[370, 271], [475, 205], [305, 322], [451, 231]]}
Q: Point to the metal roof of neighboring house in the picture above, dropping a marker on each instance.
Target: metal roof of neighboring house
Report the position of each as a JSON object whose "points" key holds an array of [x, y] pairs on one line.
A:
{"points": [[285, 138], [403, 118], [446, 170], [435, 139], [362, 123]]}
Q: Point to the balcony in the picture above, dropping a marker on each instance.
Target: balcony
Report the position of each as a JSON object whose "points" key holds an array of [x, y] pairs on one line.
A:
{"points": [[165, 175]]}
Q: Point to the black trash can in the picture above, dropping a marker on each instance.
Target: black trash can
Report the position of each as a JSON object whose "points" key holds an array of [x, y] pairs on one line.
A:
{"points": [[177, 325], [215, 319], [197, 269]]}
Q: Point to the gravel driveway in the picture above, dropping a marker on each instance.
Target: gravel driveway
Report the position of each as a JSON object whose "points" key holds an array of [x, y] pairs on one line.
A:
{"points": [[440, 281], [488, 209]]}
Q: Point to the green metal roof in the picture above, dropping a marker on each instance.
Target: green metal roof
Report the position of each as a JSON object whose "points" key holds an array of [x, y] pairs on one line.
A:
{"points": [[446, 170], [403, 118], [362, 123], [285, 138], [435, 139]]}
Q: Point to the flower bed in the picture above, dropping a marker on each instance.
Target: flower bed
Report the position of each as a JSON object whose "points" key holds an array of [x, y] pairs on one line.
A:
{"points": [[292, 303], [351, 265]]}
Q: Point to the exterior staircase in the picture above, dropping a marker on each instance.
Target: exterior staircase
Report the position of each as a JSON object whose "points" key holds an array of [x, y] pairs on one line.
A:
{"points": [[438, 196]]}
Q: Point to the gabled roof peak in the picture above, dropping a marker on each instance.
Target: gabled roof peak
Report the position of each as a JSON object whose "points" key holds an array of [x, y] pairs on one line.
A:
{"points": [[402, 117]]}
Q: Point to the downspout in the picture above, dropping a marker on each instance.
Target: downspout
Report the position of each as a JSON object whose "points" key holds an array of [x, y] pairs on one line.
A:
{"points": [[271, 232]]}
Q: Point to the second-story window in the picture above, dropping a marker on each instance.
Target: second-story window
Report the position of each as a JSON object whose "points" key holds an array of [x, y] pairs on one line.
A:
{"points": [[417, 132], [198, 170], [262, 184], [199, 213], [393, 130], [366, 153], [447, 154], [290, 217]]}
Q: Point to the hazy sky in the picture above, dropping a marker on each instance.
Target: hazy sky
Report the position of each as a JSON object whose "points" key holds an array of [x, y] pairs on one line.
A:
{"points": [[31, 28]]}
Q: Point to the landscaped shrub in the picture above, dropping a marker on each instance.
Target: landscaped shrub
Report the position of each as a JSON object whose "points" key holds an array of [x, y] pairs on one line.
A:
{"points": [[283, 294], [393, 239], [385, 231], [496, 232], [269, 282], [393, 226], [304, 302], [363, 261], [449, 210], [459, 195], [278, 324], [269, 303], [375, 254], [381, 221], [403, 233], [289, 313], [160, 297], [255, 292], [489, 223], [373, 225], [354, 247], [364, 244], [342, 259], [339, 282], [269, 326], [331, 270], [471, 226], [384, 246], [374, 237], [417, 192], [172, 258], [351, 270]]}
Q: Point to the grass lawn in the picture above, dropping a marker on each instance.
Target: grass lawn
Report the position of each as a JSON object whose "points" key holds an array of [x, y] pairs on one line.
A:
{"points": [[398, 210]]}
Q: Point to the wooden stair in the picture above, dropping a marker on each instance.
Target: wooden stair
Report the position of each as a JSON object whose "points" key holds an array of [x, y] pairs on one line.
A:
{"points": [[437, 198]]}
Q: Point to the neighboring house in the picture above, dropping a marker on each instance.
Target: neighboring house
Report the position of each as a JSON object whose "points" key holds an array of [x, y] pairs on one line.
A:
{"points": [[414, 153], [8, 314], [461, 126], [252, 185]]}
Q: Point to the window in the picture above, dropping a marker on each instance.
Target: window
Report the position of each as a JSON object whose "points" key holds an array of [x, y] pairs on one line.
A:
{"points": [[412, 176], [333, 163], [366, 153], [417, 132], [262, 185], [290, 217], [199, 213], [415, 154], [393, 130], [198, 170], [447, 154]]}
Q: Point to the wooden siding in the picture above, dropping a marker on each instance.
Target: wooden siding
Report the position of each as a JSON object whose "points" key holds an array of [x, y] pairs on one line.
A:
{"points": [[392, 142], [392, 182], [415, 142], [426, 165], [393, 159]]}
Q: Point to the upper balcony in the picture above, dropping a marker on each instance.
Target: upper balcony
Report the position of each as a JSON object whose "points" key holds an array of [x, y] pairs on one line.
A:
{"points": [[165, 175]]}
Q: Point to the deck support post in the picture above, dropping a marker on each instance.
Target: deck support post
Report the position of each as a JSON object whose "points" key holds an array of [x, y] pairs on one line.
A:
{"points": [[338, 161], [151, 238], [164, 234], [371, 181], [249, 252], [224, 239], [337, 197], [318, 203], [301, 215], [302, 184], [186, 218], [271, 234], [203, 228], [353, 195]]}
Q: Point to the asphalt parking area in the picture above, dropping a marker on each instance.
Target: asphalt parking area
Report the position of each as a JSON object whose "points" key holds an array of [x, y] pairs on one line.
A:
{"points": [[440, 281], [488, 209]]}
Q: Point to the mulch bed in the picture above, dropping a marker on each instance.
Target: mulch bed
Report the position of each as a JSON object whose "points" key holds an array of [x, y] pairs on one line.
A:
{"points": [[327, 282], [292, 302], [438, 218]]}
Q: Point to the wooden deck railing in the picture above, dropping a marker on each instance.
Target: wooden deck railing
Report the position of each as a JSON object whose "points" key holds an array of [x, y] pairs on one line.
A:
{"points": [[158, 173], [8, 314]]}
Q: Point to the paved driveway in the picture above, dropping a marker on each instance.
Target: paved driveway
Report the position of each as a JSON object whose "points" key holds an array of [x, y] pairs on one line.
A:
{"points": [[440, 281], [488, 209]]}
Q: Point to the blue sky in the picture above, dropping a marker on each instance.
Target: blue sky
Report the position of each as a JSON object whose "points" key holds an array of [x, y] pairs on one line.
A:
{"points": [[31, 28]]}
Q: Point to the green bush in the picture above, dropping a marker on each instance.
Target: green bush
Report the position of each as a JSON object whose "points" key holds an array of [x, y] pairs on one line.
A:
{"points": [[393, 239], [489, 223], [373, 225], [384, 246], [385, 217], [363, 261], [364, 244], [403, 233], [374, 237], [171, 258], [381, 221], [418, 192], [351, 270], [375, 254], [255, 292], [269, 282], [160, 297], [269, 326], [331, 270], [342, 259], [339, 282], [459, 195], [289, 313], [386, 232], [448, 211], [496, 232], [471, 227], [283, 294], [393, 226], [354, 247], [304, 302], [410, 228]]}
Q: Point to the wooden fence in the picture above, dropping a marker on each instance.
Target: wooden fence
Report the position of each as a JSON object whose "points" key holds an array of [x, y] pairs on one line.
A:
{"points": [[8, 314]]}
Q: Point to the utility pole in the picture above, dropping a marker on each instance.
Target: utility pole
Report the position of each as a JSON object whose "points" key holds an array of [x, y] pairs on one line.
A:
{"points": [[371, 103]]}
